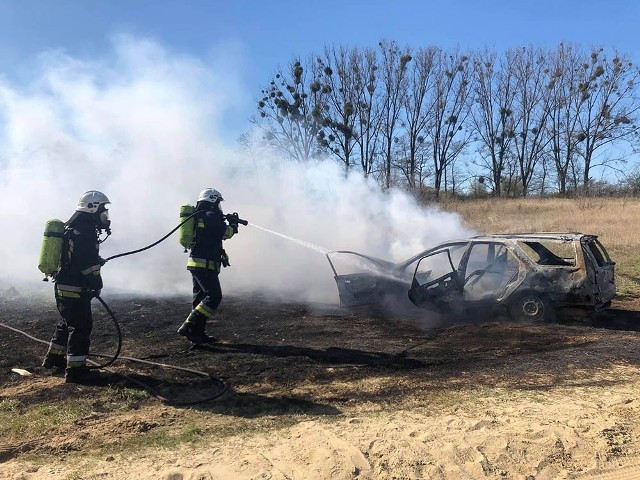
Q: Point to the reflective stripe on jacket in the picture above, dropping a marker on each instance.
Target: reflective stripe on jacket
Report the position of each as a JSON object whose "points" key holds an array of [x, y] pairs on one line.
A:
{"points": [[68, 291], [193, 262], [211, 230]]}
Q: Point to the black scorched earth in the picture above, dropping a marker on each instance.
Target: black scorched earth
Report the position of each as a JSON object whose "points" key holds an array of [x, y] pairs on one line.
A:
{"points": [[279, 360]]}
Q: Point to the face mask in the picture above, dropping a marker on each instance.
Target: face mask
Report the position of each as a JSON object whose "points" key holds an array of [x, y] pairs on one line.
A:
{"points": [[104, 219]]}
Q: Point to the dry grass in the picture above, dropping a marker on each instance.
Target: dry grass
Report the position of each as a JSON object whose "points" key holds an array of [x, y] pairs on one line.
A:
{"points": [[615, 220]]}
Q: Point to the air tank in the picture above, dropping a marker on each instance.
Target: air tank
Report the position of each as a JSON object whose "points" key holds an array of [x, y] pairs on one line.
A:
{"points": [[187, 229], [51, 249]]}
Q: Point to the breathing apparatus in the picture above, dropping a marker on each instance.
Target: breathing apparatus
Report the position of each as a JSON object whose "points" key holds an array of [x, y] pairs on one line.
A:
{"points": [[95, 203], [92, 203], [186, 235], [187, 227], [186, 232], [103, 222], [51, 249]]}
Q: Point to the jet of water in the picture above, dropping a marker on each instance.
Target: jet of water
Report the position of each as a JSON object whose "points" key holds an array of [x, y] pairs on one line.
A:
{"points": [[351, 259], [299, 242]]}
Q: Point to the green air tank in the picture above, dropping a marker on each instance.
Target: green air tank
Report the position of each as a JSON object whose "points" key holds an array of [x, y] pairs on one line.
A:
{"points": [[51, 249], [187, 229]]}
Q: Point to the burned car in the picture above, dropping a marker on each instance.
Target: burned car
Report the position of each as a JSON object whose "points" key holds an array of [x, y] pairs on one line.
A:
{"points": [[530, 277]]}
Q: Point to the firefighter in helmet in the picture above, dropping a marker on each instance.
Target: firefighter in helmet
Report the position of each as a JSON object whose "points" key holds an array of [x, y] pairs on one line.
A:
{"points": [[76, 283], [205, 259]]}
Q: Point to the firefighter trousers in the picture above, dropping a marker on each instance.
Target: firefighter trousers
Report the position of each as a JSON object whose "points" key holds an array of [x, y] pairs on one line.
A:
{"points": [[207, 293], [73, 330]]}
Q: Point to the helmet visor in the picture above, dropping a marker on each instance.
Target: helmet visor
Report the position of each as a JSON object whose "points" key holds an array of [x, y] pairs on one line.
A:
{"points": [[104, 218]]}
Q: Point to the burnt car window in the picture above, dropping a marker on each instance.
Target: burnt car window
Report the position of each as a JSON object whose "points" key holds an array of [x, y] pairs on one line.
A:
{"points": [[600, 254], [434, 266], [456, 251], [483, 256], [554, 253], [500, 270]]}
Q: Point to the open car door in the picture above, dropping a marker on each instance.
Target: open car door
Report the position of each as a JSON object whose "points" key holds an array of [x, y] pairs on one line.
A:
{"points": [[436, 284], [603, 269], [374, 281]]}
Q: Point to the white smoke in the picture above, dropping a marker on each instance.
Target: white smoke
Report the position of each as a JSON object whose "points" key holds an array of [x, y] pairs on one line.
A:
{"points": [[144, 126]]}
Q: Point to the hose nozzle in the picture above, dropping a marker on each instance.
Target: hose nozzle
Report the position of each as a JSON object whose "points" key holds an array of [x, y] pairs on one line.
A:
{"points": [[233, 218]]}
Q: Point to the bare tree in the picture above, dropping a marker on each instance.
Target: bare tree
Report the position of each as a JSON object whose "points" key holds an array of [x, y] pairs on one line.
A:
{"points": [[511, 183], [609, 105], [565, 103], [406, 116], [531, 107], [493, 120], [448, 111], [420, 81], [368, 111], [290, 112], [393, 72], [338, 83]]}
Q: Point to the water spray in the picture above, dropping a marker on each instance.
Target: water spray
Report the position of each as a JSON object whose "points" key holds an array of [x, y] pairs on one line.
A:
{"points": [[299, 242], [352, 259]]}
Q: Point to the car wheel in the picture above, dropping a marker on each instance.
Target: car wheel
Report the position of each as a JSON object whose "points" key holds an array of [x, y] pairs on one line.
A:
{"points": [[531, 307]]}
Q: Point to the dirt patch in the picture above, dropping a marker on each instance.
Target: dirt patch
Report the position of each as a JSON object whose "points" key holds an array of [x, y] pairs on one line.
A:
{"points": [[312, 391]]}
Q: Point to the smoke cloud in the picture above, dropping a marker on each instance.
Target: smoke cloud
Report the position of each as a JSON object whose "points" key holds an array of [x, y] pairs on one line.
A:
{"points": [[144, 126]]}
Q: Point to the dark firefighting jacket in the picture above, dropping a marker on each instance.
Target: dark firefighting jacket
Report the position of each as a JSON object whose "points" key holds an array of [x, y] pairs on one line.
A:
{"points": [[80, 263], [210, 230]]}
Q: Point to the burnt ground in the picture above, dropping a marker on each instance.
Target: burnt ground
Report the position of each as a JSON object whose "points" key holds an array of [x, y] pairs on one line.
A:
{"points": [[279, 360]]}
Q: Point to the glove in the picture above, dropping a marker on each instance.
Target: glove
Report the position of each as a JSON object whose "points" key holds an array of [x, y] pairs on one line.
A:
{"points": [[233, 219], [102, 261], [94, 293], [224, 259]]}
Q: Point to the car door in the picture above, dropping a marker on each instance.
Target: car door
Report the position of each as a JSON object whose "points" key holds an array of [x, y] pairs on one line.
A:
{"points": [[375, 280], [435, 284], [489, 269], [601, 266]]}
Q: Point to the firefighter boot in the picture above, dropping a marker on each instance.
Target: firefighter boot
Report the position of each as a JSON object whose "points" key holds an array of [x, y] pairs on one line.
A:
{"points": [[55, 358], [83, 375], [55, 361], [193, 329], [208, 338]]}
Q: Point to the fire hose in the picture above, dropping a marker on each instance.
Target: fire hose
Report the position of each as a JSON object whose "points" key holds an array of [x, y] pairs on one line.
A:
{"points": [[228, 217], [233, 217], [224, 387]]}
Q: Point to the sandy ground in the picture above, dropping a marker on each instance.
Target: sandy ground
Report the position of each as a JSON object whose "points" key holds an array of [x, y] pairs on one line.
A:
{"points": [[325, 394]]}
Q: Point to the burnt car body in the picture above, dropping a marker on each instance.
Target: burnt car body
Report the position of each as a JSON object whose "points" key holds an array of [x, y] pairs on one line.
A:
{"points": [[527, 276]]}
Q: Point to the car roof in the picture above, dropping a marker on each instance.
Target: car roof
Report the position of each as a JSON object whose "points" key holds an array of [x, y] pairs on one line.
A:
{"points": [[533, 236], [562, 236]]}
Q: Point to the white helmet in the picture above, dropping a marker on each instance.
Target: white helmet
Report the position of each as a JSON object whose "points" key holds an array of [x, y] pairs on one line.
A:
{"points": [[210, 195], [90, 201]]}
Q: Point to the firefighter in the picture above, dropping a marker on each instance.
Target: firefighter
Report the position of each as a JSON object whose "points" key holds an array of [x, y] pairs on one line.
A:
{"points": [[77, 281], [205, 259]]}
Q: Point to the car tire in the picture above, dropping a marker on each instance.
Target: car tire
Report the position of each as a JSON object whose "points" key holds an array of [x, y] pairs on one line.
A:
{"points": [[531, 307]]}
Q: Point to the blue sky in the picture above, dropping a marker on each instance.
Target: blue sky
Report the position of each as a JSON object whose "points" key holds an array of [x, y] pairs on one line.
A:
{"points": [[257, 36], [144, 100]]}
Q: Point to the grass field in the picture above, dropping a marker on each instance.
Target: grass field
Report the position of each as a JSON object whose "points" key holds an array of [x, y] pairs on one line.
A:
{"points": [[310, 391], [616, 221]]}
